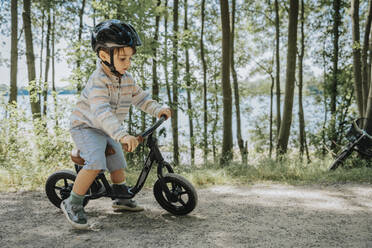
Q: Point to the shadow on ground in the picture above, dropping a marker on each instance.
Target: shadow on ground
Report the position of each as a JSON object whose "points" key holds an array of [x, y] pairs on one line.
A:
{"points": [[261, 215]]}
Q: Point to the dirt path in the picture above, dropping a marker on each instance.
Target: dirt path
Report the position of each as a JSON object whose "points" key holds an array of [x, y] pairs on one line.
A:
{"points": [[261, 215]]}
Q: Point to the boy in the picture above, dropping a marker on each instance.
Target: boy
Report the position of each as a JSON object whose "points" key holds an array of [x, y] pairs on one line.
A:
{"points": [[99, 112]]}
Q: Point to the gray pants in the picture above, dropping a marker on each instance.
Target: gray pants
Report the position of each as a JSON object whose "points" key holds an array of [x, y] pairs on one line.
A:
{"points": [[92, 145]]}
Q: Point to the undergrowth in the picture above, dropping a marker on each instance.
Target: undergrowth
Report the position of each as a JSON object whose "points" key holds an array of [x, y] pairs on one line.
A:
{"points": [[28, 157]]}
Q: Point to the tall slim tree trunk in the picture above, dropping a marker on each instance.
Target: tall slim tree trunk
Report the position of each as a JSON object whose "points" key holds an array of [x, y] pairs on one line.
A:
{"points": [[165, 61], [227, 154], [79, 86], [188, 91], [324, 99], [290, 78], [277, 63], [215, 122], [271, 116], [204, 65], [301, 117], [40, 83], [336, 25], [47, 60], [365, 81], [360, 94], [53, 70], [14, 52], [242, 148], [175, 83], [155, 83], [30, 57]]}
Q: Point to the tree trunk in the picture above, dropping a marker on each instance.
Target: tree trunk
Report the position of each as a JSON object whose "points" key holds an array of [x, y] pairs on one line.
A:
{"points": [[41, 55], [30, 57], [165, 61], [155, 83], [356, 58], [175, 83], [290, 78], [79, 86], [47, 60], [188, 91], [301, 117], [271, 116], [215, 122], [365, 67], [14, 52], [227, 154], [204, 65], [53, 70], [277, 62], [242, 148], [324, 100]]}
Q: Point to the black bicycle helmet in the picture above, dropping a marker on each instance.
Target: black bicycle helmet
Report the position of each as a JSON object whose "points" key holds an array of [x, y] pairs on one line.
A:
{"points": [[111, 34]]}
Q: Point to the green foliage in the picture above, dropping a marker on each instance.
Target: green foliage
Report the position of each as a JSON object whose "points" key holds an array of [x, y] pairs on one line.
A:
{"points": [[288, 170], [28, 151]]}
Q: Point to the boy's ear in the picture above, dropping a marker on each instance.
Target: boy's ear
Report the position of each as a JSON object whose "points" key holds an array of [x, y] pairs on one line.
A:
{"points": [[104, 56]]}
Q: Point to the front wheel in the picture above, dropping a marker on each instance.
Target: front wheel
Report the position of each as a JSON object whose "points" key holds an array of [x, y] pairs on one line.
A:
{"points": [[59, 186], [175, 194], [340, 159]]}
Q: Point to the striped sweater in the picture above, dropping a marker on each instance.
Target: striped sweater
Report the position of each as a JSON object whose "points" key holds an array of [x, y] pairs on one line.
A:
{"points": [[105, 102]]}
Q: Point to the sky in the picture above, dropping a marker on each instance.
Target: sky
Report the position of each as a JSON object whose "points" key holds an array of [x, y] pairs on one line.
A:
{"points": [[62, 70]]}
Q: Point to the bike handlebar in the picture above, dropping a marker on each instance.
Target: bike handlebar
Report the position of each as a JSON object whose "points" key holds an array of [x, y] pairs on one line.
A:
{"points": [[148, 131], [361, 131]]}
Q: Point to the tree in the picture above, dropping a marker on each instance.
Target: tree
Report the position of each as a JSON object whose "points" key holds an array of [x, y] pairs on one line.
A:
{"points": [[277, 63], [204, 65], [155, 83], [79, 86], [34, 100], [242, 147], [14, 52], [226, 155], [188, 91], [290, 78], [302, 133], [175, 83], [356, 57], [47, 62]]}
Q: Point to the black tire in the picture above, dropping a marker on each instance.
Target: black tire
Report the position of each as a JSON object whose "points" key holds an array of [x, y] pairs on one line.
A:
{"points": [[59, 185], [340, 159], [171, 192]]}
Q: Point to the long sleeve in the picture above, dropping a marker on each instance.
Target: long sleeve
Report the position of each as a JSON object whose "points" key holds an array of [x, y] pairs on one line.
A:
{"points": [[141, 99]]}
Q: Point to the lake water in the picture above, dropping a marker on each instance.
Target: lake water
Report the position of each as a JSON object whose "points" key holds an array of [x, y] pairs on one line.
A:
{"points": [[254, 116]]}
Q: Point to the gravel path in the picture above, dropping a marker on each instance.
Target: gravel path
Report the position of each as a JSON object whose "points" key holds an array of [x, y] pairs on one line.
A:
{"points": [[261, 215]]}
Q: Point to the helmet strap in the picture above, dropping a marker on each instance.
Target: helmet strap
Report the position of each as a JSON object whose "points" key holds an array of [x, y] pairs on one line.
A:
{"points": [[111, 64]]}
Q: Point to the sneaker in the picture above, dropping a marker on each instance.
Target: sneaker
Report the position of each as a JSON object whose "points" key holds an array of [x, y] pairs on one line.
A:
{"points": [[75, 214], [121, 191], [126, 204]]}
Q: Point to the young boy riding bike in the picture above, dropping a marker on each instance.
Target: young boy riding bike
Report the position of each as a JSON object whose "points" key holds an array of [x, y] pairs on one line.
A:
{"points": [[96, 121]]}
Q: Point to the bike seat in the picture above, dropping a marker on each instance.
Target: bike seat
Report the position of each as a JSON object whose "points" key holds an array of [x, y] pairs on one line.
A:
{"points": [[75, 155]]}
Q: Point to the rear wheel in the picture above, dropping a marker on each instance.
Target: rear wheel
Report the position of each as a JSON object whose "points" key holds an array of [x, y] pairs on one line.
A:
{"points": [[340, 159], [59, 186], [175, 194]]}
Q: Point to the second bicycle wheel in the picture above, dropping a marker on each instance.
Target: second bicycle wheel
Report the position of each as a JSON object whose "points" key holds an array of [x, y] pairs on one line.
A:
{"points": [[340, 159], [175, 194]]}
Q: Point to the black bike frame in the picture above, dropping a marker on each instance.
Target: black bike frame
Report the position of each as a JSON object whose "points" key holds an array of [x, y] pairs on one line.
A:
{"points": [[154, 156]]}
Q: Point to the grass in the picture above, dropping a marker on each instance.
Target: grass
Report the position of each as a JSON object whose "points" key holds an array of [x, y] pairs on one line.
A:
{"points": [[287, 171]]}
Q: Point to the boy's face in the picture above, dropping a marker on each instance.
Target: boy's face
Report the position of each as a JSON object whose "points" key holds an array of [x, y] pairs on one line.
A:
{"points": [[122, 58]]}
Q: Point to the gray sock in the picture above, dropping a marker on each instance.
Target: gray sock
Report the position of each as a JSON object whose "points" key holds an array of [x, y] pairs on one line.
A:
{"points": [[76, 199]]}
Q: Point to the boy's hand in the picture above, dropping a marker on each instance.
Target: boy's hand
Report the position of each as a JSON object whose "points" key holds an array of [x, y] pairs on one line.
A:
{"points": [[165, 111], [129, 143]]}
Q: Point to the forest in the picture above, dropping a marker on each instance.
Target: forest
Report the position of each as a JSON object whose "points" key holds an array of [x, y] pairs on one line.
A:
{"points": [[306, 60]]}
